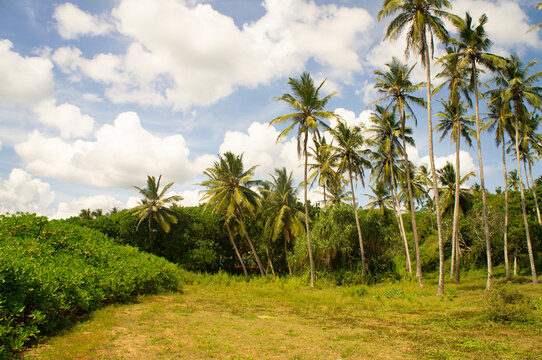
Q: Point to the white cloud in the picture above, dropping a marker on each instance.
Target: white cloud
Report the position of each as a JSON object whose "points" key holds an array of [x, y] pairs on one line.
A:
{"points": [[23, 80], [92, 97], [74, 207], [66, 117], [466, 162], [22, 192], [72, 22], [121, 155], [191, 197], [167, 65]]}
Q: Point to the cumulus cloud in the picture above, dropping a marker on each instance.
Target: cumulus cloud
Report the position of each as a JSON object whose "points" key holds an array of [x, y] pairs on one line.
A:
{"points": [[22, 192], [466, 162], [122, 154], [167, 65], [65, 117], [23, 80], [72, 22], [74, 207]]}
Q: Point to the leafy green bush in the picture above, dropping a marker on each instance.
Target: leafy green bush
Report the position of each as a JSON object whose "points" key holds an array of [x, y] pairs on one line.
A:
{"points": [[509, 305], [53, 272]]}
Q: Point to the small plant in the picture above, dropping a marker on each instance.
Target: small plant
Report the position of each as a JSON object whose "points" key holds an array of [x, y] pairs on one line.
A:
{"points": [[357, 290], [509, 305], [397, 293]]}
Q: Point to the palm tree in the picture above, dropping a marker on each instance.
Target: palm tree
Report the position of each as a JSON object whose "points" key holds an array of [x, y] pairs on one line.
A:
{"points": [[386, 132], [381, 198], [337, 192], [531, 148], [283, 216], [513, 180], [230, 194], [472, 49], [519, 87], [500, 121], [423, 18], [351, 155], [454, 123], [307, 117], [153, 206], [424, 178], [323, 165], [396, 86]]}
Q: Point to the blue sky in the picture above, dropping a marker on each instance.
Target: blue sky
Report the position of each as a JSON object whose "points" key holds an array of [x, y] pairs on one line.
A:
{"points": [[96, 95]]}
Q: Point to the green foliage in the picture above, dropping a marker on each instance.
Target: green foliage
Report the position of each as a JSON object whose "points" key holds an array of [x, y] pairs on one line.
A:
{"points": [[52, 273], [509, 305]]}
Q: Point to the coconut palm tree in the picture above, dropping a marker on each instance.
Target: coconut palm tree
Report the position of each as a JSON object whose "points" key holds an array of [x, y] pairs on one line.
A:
{"points": [[283, 217], [381, 198], [422, 19], [308, 116], [154, 206], [472, 49], [396, 86], [513, 180], [518, 88], [352, 155], [230, 195], [323, 167], [454, 123], [500, 121], [338, 194], [424, 177], [387, 131]]}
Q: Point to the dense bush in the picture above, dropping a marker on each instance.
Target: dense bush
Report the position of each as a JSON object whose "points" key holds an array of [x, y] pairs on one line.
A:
{"points": [[507, 305], [53, 272]]}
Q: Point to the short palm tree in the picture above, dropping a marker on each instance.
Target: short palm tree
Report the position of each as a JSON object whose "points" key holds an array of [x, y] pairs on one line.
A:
{"points": [[153, 206], [380, 199], [283, 216], [230, 195], [422, 18], [454, 123], [308, 116], [513, 180], [323, 167], [352, 157], [517, 88], [397, 88], [338, 194]]}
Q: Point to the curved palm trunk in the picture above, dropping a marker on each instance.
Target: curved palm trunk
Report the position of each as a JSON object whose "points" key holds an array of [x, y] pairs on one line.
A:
{"points": [[411, 203], [363, 265], [534, 194], [455, 243], [236, 250], [286, 241], [399, 218], [269, 262], [505, 236], [525, 221], [262, 271], [311, 261], [440, 289], [481, 167]]}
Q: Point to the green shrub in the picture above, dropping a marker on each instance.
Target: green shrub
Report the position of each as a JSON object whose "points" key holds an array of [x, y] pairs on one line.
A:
{"points": [[509, 305], [54, 272]]}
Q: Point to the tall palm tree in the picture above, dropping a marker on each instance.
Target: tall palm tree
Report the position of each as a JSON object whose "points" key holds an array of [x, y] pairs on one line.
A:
{"points": [[283, 217], [531, 148], [472, 48], [518, 87], [229, 192], [386, 132], [396, 86], [352, 157], [323, 167], [454, 123], [423, 18], [308, 117], [153, 206], [500, 121]]}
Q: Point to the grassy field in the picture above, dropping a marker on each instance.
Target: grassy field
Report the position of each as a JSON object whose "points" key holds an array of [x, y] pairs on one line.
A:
{"points": [[223, 318]]}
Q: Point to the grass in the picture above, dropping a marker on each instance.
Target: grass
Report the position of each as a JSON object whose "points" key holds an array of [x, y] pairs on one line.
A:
{"points": [[221, 317]]}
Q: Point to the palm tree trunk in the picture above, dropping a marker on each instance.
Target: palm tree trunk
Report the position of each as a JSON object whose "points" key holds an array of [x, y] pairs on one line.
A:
{"points": [[534, 194], [505, 236], [455, 243], [311, 261], [411, 203], [399, 218], [269, 262], [515, 265], [525, 221], [150, 234], [440, 289], [262, 271], [363, 265], [236, 250], [286, 241], [481, 167]]}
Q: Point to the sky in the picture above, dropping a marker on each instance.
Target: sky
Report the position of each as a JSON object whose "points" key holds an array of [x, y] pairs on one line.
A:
{"points": [[96, 95]]}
